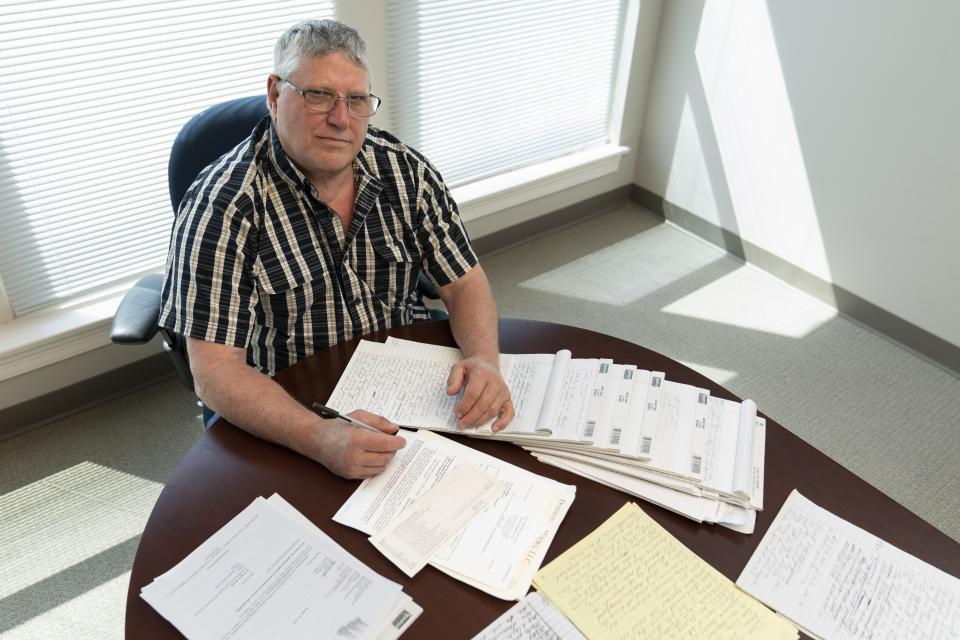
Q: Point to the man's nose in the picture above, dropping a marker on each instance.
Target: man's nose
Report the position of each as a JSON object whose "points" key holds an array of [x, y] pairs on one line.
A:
{"points": [[339, 116]]}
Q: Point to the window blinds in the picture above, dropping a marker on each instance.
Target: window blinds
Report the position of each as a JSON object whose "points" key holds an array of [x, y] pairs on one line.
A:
{"points": [[482, 88], [91, 97]]}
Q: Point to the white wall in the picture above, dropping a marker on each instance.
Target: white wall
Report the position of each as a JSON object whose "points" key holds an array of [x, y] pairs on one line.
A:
{"points": [[824, 132]]}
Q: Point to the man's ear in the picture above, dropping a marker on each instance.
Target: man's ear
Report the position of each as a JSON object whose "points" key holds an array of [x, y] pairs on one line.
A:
{"points": [[273, 92]]}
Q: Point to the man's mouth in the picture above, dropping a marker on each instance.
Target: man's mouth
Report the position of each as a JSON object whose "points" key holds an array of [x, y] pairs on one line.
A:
{"points": [[333, 141]]}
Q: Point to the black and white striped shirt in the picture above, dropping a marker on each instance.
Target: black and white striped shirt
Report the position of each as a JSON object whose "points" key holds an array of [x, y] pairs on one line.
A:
{"points": [[257, 261]]}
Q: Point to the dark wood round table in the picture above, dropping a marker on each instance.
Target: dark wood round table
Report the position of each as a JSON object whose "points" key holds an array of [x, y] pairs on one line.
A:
{"points": [[227, 468]]}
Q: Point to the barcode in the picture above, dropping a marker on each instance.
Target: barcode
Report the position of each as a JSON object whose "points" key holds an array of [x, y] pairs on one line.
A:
{"points": [[701, 423], [628, 374], [604, 367], [655, 381], [645, 443], [695, 464], [702, 399], [591, 425], [401, 619], [615, 436]]}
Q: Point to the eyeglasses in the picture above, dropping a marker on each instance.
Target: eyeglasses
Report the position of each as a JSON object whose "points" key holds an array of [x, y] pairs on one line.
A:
{"points": [[319, 101]]}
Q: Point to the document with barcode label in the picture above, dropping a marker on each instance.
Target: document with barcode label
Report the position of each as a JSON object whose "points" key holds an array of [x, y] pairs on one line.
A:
{"points": [[581, 414], [836, 580]]}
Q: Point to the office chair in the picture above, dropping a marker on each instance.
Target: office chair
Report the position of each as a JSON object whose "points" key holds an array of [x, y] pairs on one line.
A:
{"points": [[205, 137]]}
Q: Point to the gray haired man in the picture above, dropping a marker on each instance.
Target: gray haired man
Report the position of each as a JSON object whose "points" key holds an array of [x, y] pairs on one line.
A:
{"points": [[312, 231]]}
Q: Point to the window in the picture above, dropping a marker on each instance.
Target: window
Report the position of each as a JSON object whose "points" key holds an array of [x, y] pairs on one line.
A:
{"points": [[91, 98], [484, 88]]}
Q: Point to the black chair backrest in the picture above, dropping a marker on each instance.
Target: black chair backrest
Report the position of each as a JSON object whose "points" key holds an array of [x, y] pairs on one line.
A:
{"points": [[207, 136]]}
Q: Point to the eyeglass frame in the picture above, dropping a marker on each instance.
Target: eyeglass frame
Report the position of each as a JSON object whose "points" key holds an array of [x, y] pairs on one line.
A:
{"points": [[337, 98]]}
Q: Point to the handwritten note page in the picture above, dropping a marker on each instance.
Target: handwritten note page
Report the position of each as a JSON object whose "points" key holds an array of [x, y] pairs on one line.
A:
{"points": [[601, 383], [617, 377], [405, 386], [838, 581], [632, 579], [533, 618], [680, 436], [528, 380], [636, 443]]}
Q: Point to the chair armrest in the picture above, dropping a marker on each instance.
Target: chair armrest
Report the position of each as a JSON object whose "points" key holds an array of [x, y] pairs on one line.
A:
{"points": [[136, 319], [426, 288]]}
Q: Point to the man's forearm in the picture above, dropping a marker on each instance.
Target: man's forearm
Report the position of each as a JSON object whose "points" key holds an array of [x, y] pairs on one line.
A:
{"points": [[254, 402], [474, 320]]}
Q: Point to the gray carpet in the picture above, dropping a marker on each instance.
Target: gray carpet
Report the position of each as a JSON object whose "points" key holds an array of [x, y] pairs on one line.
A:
{"points": [[75, 494]]}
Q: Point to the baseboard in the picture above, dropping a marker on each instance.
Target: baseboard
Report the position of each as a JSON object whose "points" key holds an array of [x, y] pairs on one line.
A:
{"points": [[549, 222], [918, 340], [54, 405]]}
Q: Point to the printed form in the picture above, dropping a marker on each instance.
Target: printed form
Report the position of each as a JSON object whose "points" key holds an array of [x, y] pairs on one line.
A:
{"points": [[435, 517], [836, 580], [501, 548], [263, 575]]}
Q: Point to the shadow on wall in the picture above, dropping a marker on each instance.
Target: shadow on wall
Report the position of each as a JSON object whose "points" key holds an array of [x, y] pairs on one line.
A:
{"points": [[820, 135]]}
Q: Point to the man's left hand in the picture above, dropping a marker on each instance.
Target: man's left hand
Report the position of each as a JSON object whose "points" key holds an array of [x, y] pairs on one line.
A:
{"points": [[485, 393]]}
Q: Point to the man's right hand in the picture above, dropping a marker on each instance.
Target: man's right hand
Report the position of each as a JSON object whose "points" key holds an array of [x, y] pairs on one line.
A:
{"points": [[354, 452]]}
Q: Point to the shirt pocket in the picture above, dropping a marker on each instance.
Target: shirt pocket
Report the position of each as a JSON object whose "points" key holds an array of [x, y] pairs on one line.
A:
{"points": [[392, 276], [287, 294]]}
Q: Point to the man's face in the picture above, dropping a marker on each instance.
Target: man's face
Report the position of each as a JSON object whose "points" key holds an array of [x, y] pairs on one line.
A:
{"points": [[322, 145]]}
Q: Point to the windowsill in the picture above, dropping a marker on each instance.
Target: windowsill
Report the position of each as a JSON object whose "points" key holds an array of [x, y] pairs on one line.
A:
{"points": [[50, 336], [481, 198]]}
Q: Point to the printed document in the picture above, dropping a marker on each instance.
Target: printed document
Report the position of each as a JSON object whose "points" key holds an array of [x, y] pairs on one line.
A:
{"points": [[264, 575], [501, 548], [404, 612], [435, 517], [632, 579], [836, 580]]}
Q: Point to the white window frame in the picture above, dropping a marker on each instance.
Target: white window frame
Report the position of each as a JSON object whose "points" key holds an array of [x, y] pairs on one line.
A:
{"points": [[46, 337]]}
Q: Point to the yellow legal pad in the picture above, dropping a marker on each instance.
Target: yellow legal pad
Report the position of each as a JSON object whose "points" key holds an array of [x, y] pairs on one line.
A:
{"points": [[632, 579]]}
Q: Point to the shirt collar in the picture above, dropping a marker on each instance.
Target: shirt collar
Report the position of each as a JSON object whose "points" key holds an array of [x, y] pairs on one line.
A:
{"points": [[365, 177]]}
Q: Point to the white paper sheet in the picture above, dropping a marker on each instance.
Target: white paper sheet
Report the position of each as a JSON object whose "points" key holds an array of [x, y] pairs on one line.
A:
{"points": [[404, 611], [839, 581], [533, 618], [502, 548], [435, 517], [700, 509], [265, 576]]}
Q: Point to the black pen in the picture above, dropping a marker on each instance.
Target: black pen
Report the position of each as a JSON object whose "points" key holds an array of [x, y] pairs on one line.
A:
{"points": [[333, 414]]}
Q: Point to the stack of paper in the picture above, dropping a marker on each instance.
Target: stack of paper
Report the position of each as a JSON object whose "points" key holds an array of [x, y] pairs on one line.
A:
{"points": [[502, 542], [835, 580], [666, 442], [632, 579], [271, 573]]}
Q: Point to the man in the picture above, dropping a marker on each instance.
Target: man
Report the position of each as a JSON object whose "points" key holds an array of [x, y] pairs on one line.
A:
{"points": [[313, 231]]}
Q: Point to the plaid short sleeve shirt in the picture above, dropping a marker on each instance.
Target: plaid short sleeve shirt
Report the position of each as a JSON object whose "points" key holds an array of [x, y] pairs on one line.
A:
{"points": [[257, 261]]}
